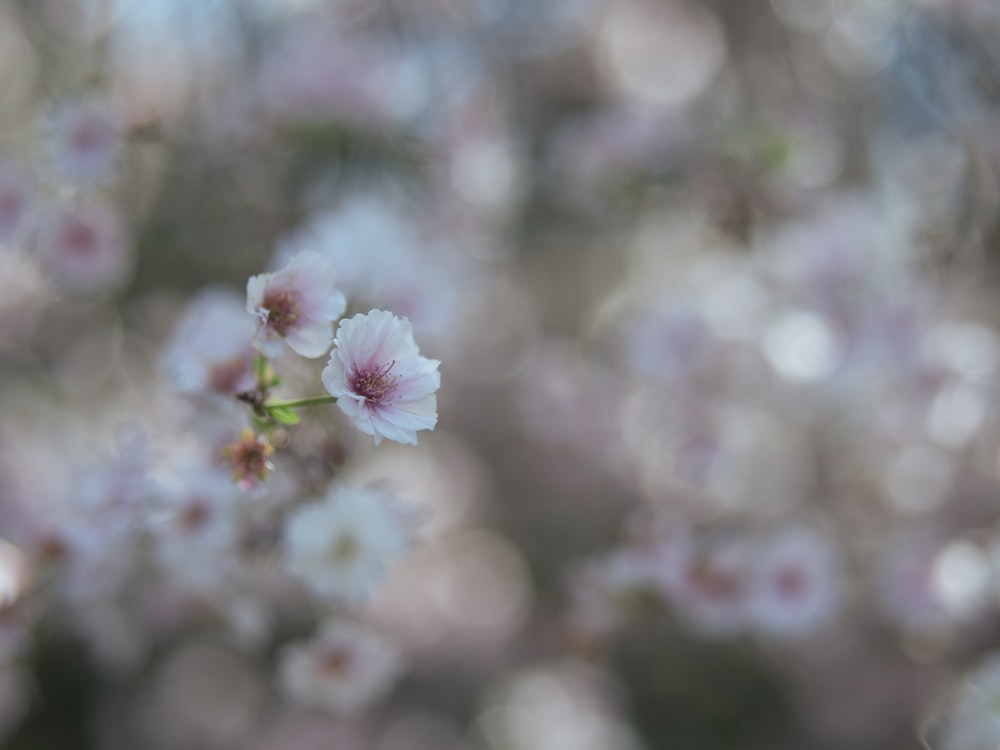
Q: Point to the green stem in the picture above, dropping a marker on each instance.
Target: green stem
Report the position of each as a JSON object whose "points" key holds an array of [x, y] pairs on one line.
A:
{"points": [[308, 401]]}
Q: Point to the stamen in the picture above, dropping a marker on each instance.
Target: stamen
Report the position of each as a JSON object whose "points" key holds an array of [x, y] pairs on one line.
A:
{"points": [[282, 309], [375, 385]]}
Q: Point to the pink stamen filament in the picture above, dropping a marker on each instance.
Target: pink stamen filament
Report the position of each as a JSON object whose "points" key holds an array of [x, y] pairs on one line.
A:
{"points": [[376, 385], [283, 309]]}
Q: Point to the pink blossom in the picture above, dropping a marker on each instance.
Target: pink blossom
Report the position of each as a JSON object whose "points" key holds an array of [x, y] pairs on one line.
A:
{"points": [[343, 669], [83, 248], [714, 589], [297, 304], [379, 378], [85, 141], [795, 587], [209, 350]]}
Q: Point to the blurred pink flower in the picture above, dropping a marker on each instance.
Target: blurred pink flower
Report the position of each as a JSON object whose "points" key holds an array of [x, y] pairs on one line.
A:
{"points": [[83, 248], [209, 350], [342, 545], [380, 379], [86, 141], [795, 586], [297, 304], [343, 669]]}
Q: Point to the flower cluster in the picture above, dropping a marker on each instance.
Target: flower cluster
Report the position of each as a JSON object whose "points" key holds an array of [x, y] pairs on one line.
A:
{"points": [[717, 460]]}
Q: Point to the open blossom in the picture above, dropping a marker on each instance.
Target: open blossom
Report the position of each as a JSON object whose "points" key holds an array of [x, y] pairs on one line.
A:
{"points": [[343, 669], [297, 304], [209, 350], [379, 378], [342, 545], [83, 248], [795, 584], [86, 140]]}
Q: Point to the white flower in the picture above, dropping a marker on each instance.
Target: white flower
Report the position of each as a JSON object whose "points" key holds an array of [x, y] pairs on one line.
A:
{"points": [[297, 304], [795, 585], [343, 669], [83, 248], [86, 140], [380, 379], [341, 546], [209, 350]]}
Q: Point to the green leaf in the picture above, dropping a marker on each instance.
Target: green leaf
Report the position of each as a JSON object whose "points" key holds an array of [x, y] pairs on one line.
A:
{"points": [[283, 415]]}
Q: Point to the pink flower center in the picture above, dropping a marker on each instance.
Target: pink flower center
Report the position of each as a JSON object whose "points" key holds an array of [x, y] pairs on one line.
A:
{"points": [[80, 240], [90, 134], [336, 661], [375, 384], [790, 583], [225, 377], [195, 515], [283, 309]]}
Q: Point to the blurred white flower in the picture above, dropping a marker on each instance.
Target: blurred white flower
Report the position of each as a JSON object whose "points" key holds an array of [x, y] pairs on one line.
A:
{"points": [[345, 668], [296, 304], [83, 248], [209, 350], [195, 529], [795, 586], [342, 545], [380, 379], [86, 141]]}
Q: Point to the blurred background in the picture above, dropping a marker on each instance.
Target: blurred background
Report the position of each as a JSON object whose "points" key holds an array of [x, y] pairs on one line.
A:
{"points": [[714, 288]]}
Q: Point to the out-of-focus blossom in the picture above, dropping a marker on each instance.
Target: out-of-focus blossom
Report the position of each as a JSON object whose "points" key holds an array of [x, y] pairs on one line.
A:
{"points": [[195, 527], [380, 379], [83, 248], [795, 585], [86, 140], [297, 304], [343, 669], [342, 545], [209, 350], [366, 238]]}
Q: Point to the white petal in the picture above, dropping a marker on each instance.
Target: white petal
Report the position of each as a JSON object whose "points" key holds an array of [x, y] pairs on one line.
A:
{"points": [[310, 338]]}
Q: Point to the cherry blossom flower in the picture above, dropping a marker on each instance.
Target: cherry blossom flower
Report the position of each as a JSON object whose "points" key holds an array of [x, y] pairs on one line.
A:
{"points": [[297, 304], [341, 546], [86, 140], [345, 668], [209, 350], [83, 248], [195, 528], [380, 379], [795, 586]]}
